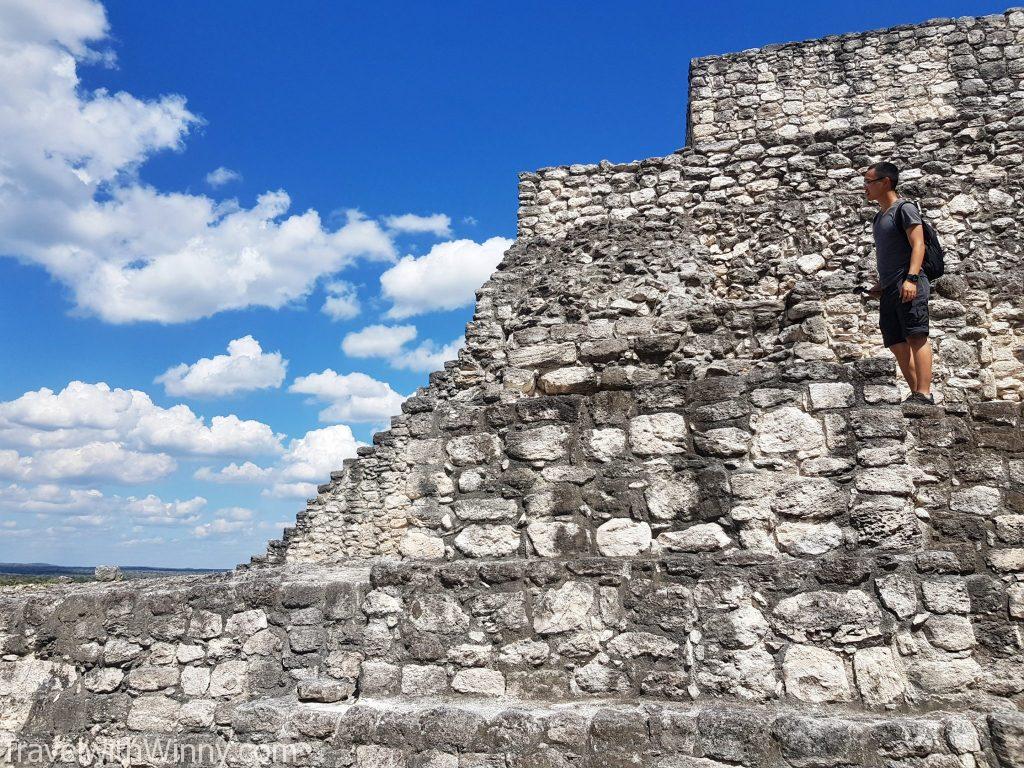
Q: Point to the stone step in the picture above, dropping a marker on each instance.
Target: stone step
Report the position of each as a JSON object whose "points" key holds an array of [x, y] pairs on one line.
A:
{"points": [[441, 733]]}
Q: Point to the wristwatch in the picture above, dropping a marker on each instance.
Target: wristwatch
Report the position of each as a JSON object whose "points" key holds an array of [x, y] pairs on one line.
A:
{"points": [[913, 278]]}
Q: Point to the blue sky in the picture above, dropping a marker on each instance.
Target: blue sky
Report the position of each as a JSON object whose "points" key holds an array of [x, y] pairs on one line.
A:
{"points": [[321, 186]]}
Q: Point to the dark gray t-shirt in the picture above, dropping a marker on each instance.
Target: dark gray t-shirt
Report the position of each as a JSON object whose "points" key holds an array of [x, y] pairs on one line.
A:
{"points": [[892, 248]]}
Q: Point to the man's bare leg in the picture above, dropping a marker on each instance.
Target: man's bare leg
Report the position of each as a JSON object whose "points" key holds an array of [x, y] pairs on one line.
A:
{"points": [[921, 360], [905, 359]]}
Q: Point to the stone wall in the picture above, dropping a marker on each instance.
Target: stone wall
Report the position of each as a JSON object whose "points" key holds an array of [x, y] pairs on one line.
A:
{"points": [[940, 69], [666, 508]]}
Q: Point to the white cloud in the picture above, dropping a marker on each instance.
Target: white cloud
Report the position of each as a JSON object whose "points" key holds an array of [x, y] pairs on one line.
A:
{"points": [[89, 462], [219, 526], [71, 200], [247, 472], [81, 504], [378, 340], [152, 510], [445, 278], [469, 220], [342, 302], [221, 176], [353, 397], [311, 459], [84, 413], [245, 367], [291, 491], [427, 356], [436, 224]]}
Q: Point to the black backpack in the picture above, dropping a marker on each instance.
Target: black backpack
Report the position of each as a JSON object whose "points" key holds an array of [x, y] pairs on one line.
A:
{"points": [[934, 257]]}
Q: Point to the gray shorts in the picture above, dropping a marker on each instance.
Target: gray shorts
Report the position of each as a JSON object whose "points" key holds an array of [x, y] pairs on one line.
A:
{"points": [[899, 319]]}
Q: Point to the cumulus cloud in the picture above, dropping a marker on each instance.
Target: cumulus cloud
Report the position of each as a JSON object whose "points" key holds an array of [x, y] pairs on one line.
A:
{"points": [[228, 520], [427, 356], [436, 224], [342, 301], [72, 202], [447, 277], [71, 505], [247, 472], [378, 340], [392, 342], [221, 176], [353, 397], [82, 414], [311, 459], [152, 510], [245, 367]]}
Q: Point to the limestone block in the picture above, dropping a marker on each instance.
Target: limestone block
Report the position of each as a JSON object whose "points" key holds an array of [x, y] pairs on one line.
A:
{"points": [[788, 430], [195, 680], [103, 679], [838, 395], [896, 481], [808, 539], [488, 540], [566, 608], [480, 682], [197, 713], [246, 623], [898, 594], [725, 442], [843, 617], [947, 675], [543, 355], [417, 544], [545, 443], [673, 497], [982, 500], [555, 539], [469, 450], [438, 612], [622, 537], [658, 434], [815, 675], [878, 677], [228, 679], [423, 680], [152, 678], [154, 712], [809, 498], [1016, 595], [564, 381], [951, 633], [486, 510], [262, 643], [531, 652], [606, 444], [205, 624], [632, 644], [703, 537], [946, 597]]}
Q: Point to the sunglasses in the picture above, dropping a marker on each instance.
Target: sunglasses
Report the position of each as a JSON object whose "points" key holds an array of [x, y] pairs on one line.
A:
{"points": [[872, 181]]}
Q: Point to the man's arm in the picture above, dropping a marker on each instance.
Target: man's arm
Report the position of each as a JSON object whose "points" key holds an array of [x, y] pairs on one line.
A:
{"points": [[915, 234]]}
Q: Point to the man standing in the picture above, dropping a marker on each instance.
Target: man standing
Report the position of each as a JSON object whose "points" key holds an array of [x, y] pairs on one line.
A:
{"points": [[902, 287]]}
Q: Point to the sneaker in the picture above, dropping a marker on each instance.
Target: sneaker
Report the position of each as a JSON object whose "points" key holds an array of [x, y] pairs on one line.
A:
{"points": [[919, 398]]}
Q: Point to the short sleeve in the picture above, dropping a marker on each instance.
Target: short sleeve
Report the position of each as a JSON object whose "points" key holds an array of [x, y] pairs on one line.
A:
{"points": [[909, 215]]}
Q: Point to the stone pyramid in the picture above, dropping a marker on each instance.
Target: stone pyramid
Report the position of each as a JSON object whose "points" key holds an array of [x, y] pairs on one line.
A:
{"points": [[666, 509]]}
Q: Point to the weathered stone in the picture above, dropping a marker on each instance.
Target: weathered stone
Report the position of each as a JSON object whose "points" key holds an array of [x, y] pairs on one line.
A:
{"points": [[564, 609], [814, 675], [788, 430], [621, 537], [658, 434], [488, 540], [841, 616]]}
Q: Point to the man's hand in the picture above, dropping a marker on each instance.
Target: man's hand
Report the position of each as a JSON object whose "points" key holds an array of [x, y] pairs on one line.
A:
{"points": [[908, 291]]}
